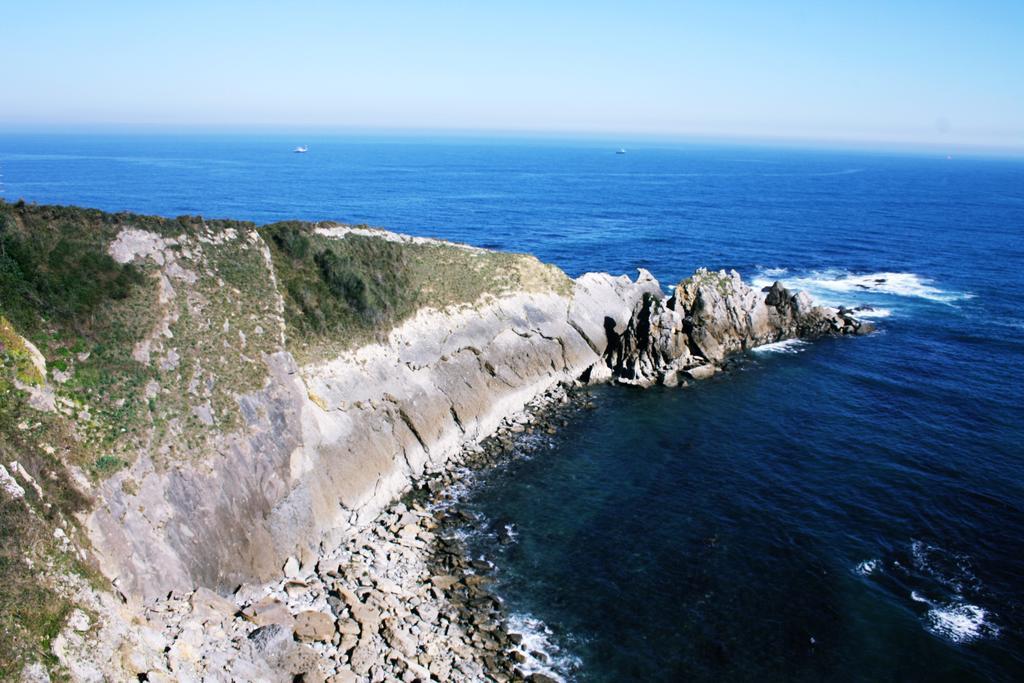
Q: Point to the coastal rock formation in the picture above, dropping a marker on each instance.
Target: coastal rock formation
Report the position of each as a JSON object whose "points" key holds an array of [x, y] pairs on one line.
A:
{"points": [[708, 317], [229, 402], [325, 446]]}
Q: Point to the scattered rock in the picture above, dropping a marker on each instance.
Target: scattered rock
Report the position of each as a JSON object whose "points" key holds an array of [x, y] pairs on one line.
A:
{"points": [[343, 676], [541, 678], [271, 638], [701, 371], [207, 603]]}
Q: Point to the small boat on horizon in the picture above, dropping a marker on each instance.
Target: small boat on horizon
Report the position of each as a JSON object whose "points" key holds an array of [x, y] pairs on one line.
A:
{"points": [[301, 149], [622, 150]]}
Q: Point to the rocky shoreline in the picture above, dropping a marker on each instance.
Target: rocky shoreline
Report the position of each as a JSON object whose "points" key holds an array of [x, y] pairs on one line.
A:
{"points": [[400, 600], [238, 469]]}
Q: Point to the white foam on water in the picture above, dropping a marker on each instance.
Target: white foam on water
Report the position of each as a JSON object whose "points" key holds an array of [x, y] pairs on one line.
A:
{"points": [[952, 570], [788, 346], [774, 272], [956, 620], [960, 622], [825, 285], [872, 313], [537, 637], [868, 567]]}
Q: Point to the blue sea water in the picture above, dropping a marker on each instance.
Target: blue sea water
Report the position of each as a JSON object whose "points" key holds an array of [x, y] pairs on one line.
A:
{"points": [[850, 509]]}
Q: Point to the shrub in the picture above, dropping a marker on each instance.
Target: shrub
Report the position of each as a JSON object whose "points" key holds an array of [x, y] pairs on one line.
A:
{"points": [[60, 271], [292, 241]]}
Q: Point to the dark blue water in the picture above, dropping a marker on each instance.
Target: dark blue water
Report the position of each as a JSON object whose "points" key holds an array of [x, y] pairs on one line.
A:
{"points": [[847, 510]]}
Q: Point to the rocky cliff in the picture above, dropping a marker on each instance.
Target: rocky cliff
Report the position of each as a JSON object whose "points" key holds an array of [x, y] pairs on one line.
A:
{"points": [[219, 397], [708, 317]]}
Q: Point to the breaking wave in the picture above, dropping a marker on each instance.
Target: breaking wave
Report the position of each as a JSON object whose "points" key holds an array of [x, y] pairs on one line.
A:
{"points": [[829, 285], [542, 654], [868, 567], [788, 346], [958, 622], [952, 570], [872, 313], [932, 570]]}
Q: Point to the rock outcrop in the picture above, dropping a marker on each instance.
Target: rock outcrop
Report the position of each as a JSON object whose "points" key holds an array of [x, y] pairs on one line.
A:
{"points": [[233, 436], [710, 316], [326, 446]]}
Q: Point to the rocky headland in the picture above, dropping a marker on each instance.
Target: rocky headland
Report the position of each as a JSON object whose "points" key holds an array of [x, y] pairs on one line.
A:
{"points": [[226, 447]]}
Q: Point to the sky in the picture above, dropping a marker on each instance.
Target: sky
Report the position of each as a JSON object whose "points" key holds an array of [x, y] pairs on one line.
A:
{"points": [[928, 72]]}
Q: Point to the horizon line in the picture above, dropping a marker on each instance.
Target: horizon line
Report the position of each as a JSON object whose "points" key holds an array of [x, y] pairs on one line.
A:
{"points": [[880, 143]]}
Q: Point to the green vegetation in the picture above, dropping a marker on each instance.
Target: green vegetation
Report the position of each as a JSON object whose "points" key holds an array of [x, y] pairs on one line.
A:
{"points": [[17, 354], [154, 354], [347, 291], [107, 464], [61, 290], [84, 311], [32, 611], [337, 287], [203, 333], [54, 265]]}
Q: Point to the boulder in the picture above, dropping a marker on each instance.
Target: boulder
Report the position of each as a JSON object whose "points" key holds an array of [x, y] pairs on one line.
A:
{"points": [[312, 625], [209, 605], [271, 638], [541, 678], [428, 612], [398, 638], [347, 627], [444, 582], [268, 611], [344, 676], [700, 372], [363, 657]]}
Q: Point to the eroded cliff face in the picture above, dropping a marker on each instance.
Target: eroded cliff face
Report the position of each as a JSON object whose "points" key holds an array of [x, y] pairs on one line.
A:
{"points": [[189, 403], [322, 447], [227, 396]]}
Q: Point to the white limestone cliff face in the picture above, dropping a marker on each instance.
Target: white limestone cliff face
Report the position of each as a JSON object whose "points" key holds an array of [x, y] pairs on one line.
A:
{"points": [[226, 416], [320, 449], [324, 447]]}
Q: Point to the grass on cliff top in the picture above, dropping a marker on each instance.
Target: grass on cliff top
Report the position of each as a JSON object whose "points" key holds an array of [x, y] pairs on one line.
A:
{"points": [[60, 288], [341, 292], [57, 288]]}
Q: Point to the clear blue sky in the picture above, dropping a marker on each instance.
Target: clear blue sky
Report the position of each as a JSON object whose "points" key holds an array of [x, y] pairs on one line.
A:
{"points": [[908, 72]]}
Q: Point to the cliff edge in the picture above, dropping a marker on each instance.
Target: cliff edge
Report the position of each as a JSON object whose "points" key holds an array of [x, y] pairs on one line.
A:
{"points": [[191, 402]]}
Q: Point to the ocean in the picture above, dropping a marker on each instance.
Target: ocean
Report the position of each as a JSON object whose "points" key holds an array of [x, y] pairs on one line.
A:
{"points": [[849, 509]]}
